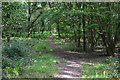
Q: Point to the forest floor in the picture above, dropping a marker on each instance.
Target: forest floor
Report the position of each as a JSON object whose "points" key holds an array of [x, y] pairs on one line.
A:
{"points": [[72, 66]]}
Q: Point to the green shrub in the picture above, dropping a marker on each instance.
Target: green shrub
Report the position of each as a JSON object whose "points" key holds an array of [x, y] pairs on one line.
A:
{"points": [[59, 41], [6, 62], [12, 68], [41, 67], [40, 35], [31, 42], [43, 46], [69, 47], [104, 69], [14, 50], [16, 39], [12, 72]]}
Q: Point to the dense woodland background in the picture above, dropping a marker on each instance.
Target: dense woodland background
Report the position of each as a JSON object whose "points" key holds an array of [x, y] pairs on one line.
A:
{"points": [[88, 27]]}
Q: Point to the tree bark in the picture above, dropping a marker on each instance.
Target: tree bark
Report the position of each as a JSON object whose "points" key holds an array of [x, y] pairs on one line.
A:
{"points": [[84, 34], [29, 24], [92, 41], [75, 38], [108, 46], [58, 29], [78, 39], [42, 26], [118, 60], [8, 38]]}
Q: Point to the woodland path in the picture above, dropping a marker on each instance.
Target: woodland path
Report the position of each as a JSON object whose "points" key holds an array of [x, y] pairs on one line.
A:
{"points": [[72, 67]]}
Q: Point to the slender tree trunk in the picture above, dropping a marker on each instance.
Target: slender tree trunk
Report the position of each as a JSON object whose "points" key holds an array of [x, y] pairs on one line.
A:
{"points": [[78, 31], [42, 26], [92, 41], [108, 46], [75, 38], [118, 61], [78, 37], [29, 24], [8, 38], [58, 29], [84, 33]]}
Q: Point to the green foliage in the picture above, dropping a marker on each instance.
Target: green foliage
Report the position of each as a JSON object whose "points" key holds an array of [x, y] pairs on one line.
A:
{"points": [[14, 50], [32, 67], [42, 66], [18, 39], [118, 44], [14, 18], [6, 62], [13, 68], [40, 35], [69, 47], [12, 39], [66, 44], [104, 69], [79, 22], [59, 41], [12, 72], [43, 46], [31, 42]]}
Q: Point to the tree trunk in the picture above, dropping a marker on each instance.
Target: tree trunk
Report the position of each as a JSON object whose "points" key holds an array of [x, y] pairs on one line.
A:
{"points": [[84, 37], [78, 39], [92, 41], [78, 42], [108, 46], [58, 29], [118, 60], [8, 38], [42, 26], [84, 34], [29, 24], [75, 36]]}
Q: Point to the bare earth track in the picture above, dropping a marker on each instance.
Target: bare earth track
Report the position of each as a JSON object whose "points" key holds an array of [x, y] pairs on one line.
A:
{"points": [[72, 68]]}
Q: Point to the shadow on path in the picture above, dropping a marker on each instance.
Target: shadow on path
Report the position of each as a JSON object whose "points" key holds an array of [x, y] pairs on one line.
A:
{"points": [[72, 68]]}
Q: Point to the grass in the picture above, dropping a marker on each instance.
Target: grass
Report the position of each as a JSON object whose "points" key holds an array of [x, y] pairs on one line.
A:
{"points": [[37, 35], [31, 42], [33, 66], [39, 45], [42, 66], [64, 43], [13, 69], [68, 44], [60, 41], [16, 39], [104, 69], [43, 46], [69, 47]]}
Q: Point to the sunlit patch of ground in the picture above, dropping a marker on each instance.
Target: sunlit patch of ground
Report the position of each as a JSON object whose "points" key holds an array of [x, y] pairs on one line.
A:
{"points": [[72, 67]]}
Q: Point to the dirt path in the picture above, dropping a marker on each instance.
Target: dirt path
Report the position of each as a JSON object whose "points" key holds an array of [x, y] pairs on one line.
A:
{"points": [[72, 67]]}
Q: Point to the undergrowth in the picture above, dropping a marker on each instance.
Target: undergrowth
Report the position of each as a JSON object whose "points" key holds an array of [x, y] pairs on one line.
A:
{"points": [[43, 46], [104, 69], [42, 66], [19, 62], [32, 67], [40, 35]]}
